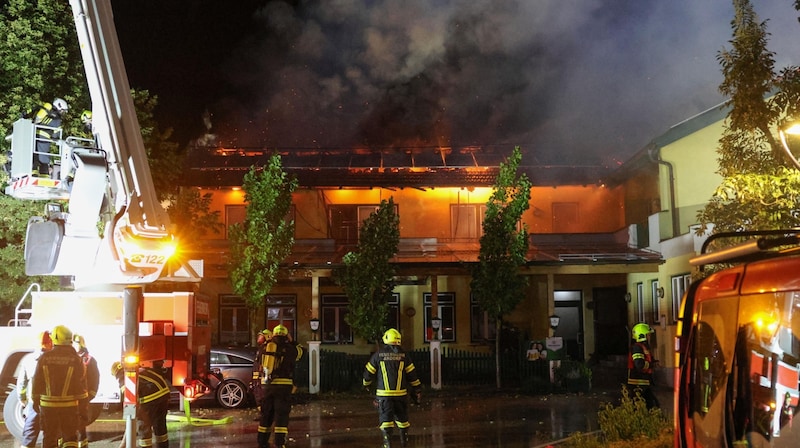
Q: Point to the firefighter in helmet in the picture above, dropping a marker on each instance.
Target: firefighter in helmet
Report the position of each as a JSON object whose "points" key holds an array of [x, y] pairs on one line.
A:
{"points": [[30, 431], [92, 383], [49, 117], [58, 386], [394, 374], [641, 364], [152, 404], [277, 375], [256, 386]]}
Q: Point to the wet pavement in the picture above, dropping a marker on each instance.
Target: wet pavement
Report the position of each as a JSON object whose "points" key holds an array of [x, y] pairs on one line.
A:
{"points": [[448, 418]]}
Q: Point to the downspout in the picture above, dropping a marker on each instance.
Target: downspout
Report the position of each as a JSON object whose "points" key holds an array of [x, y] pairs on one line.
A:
{"points": [[654, 152]]}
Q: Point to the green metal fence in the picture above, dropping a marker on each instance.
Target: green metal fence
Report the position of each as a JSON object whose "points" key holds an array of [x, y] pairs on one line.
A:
{"points": [[341, 372]]}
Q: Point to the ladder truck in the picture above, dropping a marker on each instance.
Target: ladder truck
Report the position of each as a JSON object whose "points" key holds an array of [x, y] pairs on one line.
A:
{"points": [[104, 229]]}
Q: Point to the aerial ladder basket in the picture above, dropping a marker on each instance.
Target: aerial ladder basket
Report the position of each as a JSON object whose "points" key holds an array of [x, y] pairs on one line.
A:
{"points": [[27, 182]]}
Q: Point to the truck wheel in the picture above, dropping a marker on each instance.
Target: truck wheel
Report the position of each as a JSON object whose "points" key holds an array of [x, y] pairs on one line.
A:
{"points": [[231, 394], [13, 414]]}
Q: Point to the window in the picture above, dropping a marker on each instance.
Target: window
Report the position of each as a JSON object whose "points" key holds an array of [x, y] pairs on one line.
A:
{"points": [[680, 283], [234, 324], [656, 292], [235, 214], [446, 306], [640, 301], [482, 328], [393, 317], [333, 328], [566, 217], [345, 220], [466, 220], [282, 309]]}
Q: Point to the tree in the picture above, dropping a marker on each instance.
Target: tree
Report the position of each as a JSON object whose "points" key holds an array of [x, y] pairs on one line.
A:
{"points": [[265, 238], [366, 277], [758, 191], [496, 283]]}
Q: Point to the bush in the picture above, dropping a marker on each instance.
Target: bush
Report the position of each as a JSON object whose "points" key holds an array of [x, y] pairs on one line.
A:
{"points": [[629, 425]]}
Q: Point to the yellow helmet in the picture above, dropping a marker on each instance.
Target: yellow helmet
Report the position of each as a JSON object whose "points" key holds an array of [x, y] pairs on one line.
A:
{"points": [[116, 368], [280, 330], [78, 339], [392, 337], [266, 333], [61, 335], [640, 332], [86, 116]]}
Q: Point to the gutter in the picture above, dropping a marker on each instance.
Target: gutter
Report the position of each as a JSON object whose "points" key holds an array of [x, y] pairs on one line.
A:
{"points": [[654, 151]]}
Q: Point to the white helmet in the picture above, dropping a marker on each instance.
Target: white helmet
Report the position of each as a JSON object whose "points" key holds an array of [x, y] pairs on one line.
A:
{"points": [[60, 104]]}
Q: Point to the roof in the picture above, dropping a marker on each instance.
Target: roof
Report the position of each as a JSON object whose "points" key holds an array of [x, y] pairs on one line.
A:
{"points": [[395, 167]]}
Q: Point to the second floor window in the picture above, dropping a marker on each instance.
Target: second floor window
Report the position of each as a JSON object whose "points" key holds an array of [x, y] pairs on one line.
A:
{"points": [[466, 220], [333, 327]]}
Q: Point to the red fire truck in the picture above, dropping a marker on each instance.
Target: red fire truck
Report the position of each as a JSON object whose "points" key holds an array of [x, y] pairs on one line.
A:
{"points": [[737, 349]]}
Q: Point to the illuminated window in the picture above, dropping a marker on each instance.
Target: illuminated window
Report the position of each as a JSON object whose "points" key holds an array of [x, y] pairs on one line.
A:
{"points": [[566, 217], [654, 287], [345, 220], [680, 283], [640, 301], [446, 306], [236, 213], [393, 317], [466, 220]]}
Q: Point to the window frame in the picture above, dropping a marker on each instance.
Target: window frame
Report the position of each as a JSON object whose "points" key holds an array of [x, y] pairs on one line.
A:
{"points": [[446, 307], [338, 304]]}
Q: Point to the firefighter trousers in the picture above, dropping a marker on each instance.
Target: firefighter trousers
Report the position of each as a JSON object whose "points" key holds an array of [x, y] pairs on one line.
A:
{"points": [[59, 423]]}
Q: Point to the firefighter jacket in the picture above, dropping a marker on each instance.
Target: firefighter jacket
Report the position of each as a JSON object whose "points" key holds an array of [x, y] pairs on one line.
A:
{"points": [[275, 362], [92, 373], [152, 385], [640, 365], [46, 115], [394, 372], [60, 379]]}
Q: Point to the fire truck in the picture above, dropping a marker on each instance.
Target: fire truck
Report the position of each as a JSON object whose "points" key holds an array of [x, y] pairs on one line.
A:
{"points": [[737, 349], [104, 229]]}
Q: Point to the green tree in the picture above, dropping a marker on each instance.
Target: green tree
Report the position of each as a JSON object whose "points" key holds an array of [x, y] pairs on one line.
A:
{"points": [[13, 281], [367, 274], [758, 191], [496, 282], [265, 238]]}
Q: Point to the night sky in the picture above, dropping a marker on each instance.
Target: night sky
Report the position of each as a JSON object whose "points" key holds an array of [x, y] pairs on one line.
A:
{"points": [[585, 82]]}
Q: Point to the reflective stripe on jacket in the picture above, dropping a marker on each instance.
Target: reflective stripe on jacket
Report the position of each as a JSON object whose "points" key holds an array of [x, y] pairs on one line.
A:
{"points": [[60, 379], [640, 365], [393, 371]]}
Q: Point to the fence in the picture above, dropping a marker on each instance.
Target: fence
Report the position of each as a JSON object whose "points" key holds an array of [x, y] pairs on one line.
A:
{"points": [[341, 372]]}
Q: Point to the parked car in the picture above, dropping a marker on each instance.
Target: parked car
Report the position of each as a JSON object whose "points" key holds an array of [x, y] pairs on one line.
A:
{"points": [[234, 367]]}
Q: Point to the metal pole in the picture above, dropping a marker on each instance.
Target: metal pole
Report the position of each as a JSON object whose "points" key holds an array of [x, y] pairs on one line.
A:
{"points": [[131, 301]]}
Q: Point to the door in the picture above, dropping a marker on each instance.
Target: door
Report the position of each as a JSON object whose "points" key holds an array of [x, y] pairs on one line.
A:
{"points": [[610, 321], [570, 327]]}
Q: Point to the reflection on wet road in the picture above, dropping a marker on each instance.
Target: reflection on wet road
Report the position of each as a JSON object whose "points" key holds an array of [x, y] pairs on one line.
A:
{"points": [[493, 419]]}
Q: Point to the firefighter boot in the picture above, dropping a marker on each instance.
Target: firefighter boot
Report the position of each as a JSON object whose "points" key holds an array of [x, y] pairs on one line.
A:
{"points": [[404, 437], [387, 438]]}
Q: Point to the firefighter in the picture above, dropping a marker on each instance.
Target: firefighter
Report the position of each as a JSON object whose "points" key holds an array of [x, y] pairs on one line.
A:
{"points": [[30, 432], [50, 115], [641, 364], [92, 383], [256, 387], [152, 404], [395, 374], [58, 386], [277, 375]]}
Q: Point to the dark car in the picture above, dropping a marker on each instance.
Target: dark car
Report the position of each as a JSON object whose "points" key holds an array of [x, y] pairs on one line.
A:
{"points": [[234, 367]]}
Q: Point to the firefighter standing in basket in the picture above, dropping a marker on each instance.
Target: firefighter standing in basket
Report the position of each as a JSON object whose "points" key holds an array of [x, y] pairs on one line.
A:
{"points": [[395, 374], [58, 385], [50, 115], [277, 375], [641, 364]]}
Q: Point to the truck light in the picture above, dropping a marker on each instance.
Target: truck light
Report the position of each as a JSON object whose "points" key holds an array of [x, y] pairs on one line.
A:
{"points": [[131, 360]]}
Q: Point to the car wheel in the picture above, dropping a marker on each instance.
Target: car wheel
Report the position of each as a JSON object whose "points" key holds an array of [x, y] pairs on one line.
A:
{"points": [[231, 394]]}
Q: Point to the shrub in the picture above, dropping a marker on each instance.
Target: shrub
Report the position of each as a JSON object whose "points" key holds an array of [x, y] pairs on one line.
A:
{"points": [[629, 425]]}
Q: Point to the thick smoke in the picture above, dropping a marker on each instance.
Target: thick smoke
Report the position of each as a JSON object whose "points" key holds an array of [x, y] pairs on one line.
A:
{"points": [[572, 82]]}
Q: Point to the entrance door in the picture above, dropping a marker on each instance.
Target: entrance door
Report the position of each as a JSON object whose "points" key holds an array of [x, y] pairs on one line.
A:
{"points": [[610, 321], [570, 327]]}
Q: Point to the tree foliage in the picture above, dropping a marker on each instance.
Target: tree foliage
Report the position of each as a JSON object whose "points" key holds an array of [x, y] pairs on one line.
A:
{"points": [[496, 283], [265, 238], [758, 191], [367, 274]]}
